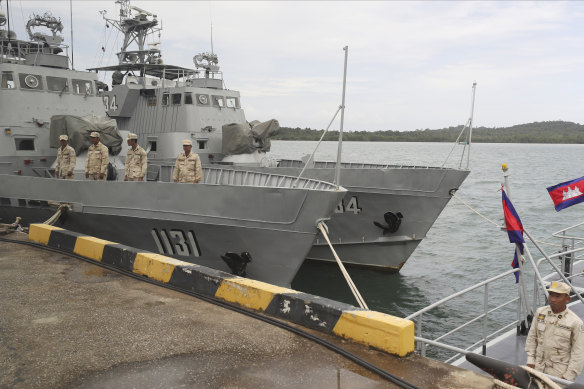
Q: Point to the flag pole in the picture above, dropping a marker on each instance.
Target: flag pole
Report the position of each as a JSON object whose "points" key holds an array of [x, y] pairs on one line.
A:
{"points": [[521, 289]]}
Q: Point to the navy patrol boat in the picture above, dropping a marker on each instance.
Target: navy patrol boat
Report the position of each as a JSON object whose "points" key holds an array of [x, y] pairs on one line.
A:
{"points": [[37, 82], [233, 221], [388, 208]]}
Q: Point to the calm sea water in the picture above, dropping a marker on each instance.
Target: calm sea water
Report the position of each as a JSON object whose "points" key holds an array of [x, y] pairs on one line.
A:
{"points": [[461, 248]]}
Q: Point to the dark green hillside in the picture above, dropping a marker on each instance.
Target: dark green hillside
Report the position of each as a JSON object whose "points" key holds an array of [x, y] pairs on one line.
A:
{"points": [[538, 132]]}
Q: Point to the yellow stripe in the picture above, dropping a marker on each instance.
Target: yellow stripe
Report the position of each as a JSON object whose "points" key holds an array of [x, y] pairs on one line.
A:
{"points": [[41, 232], [249, 293], [382, 331], [90, 247], [156, 266]]}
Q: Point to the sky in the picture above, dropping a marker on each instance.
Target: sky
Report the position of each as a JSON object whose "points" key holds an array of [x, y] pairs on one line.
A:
{"points": [[411, 64]]}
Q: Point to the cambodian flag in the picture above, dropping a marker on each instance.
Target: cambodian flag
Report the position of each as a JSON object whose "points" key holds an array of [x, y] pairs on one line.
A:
{"points": [[512, 221], [515, 263], [567, 193]]}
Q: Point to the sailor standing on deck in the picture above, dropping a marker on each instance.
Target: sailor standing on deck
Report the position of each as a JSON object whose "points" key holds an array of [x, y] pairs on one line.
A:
{"points": [[65, 159], [555, 344], [187, 167], [97, 159], [136, 160]]}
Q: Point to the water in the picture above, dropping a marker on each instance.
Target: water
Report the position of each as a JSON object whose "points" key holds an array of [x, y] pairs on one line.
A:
{"points": [[461, 248]]}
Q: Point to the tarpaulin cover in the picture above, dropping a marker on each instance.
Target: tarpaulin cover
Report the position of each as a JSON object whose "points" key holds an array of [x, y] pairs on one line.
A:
{"points": [[78, 129], [245, 138]]}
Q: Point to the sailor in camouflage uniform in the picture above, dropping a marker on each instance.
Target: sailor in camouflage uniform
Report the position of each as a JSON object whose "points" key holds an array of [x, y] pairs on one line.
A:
{"points": [[187, 167], [136, 160], [65, 159], [555, 344], [97, 159]]}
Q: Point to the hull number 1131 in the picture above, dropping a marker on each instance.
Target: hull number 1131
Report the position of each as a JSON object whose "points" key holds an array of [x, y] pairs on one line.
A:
{"points": [[176, 242]]}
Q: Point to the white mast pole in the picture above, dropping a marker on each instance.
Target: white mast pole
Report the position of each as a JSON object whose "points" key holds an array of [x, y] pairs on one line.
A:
{"points": [[474, 88], [340, 149], [71, 16]]}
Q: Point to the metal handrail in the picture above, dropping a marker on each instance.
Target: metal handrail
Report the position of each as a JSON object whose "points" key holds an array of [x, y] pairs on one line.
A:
{"points": [[568, 250]]}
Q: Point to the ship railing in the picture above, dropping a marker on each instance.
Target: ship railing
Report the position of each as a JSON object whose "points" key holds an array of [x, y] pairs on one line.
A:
{"points": [[483, 318], [15, 51], [352, 165], [218, 176], [486, 313]]}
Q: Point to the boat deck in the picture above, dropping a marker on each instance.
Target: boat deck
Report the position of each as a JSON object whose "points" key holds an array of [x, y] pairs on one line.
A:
{"points": [[511, 348]]}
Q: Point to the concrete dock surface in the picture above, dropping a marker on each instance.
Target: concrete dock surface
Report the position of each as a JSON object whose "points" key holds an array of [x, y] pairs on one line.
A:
{"points": [[65, 323]]}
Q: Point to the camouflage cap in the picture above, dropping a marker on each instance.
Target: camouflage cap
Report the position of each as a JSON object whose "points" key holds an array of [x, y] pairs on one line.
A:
{"points": [[94, 134], [132, 136], [63, 137], [187, 142], [559, 287]]}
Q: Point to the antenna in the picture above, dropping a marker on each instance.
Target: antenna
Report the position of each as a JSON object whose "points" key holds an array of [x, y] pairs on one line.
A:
{"points": [[71, 16], [211, 22]]}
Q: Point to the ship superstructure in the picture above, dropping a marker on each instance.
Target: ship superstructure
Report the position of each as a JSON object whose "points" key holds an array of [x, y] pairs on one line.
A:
{"points": [[36, 83]]}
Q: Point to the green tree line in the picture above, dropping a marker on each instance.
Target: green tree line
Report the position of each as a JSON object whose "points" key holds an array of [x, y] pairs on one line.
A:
{"points": [[537, 132]]}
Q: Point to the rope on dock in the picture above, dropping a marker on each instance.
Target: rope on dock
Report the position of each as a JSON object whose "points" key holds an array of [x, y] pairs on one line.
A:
{"points": [[362, 304]]}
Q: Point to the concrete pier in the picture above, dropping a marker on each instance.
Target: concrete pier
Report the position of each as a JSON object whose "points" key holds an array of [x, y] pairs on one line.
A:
{"points": [[68, 323]]}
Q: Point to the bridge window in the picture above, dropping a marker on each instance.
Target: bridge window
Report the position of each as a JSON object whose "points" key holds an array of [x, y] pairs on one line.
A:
{"points": [[188, 98], [176, 97], [202, 143], [57, 84], [218, 101], [82, 87], [7, 81], [24, 143], [232, 102], [30, 81], [165, 99]]}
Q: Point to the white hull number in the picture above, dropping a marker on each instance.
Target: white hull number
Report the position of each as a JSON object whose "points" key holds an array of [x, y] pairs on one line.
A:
{"points": [[350, 206], [176, 242]]}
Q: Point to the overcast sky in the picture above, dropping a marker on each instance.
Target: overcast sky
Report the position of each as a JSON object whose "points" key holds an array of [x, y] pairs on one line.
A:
{"points": [[411, 64]]}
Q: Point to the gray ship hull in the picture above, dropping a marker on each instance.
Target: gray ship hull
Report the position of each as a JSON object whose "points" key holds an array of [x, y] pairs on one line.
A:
{"points": [[419, 194], [194, 223]]}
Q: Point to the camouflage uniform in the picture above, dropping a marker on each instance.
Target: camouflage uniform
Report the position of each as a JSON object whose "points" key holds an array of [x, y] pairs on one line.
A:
{"points": [[65, 162], [555, 344], [97, 160], [136, 162], [188, 169]]}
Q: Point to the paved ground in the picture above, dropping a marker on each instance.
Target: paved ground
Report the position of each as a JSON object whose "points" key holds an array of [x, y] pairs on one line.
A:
{"points": [[65, 323]]}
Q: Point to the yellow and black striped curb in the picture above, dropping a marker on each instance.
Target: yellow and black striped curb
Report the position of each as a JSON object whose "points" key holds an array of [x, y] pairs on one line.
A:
{"points": [[381, 331]]}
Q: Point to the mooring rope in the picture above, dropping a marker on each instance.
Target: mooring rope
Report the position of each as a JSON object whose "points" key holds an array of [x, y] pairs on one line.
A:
{"points": [[62, 208], [362, 304], [537, 377], [495, 223]]}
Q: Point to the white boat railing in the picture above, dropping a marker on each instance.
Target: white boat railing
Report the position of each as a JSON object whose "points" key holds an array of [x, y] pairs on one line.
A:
{"points": [[567, 255]]}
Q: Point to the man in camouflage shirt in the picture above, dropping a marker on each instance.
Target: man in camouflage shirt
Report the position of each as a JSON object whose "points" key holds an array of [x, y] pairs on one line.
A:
{"points": [[65, 159], [97, 159], [187, 167], [136, 160], [555, 344]]}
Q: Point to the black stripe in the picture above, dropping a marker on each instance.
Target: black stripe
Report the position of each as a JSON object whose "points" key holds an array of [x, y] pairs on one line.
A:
{"points": [[198, 279], [120, 255], [63, 239], [308, 310]]}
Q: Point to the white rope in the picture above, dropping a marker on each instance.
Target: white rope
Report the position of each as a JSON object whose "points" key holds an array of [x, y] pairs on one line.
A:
{"points": [[475, 211], [57, 215], [322, 228]]}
